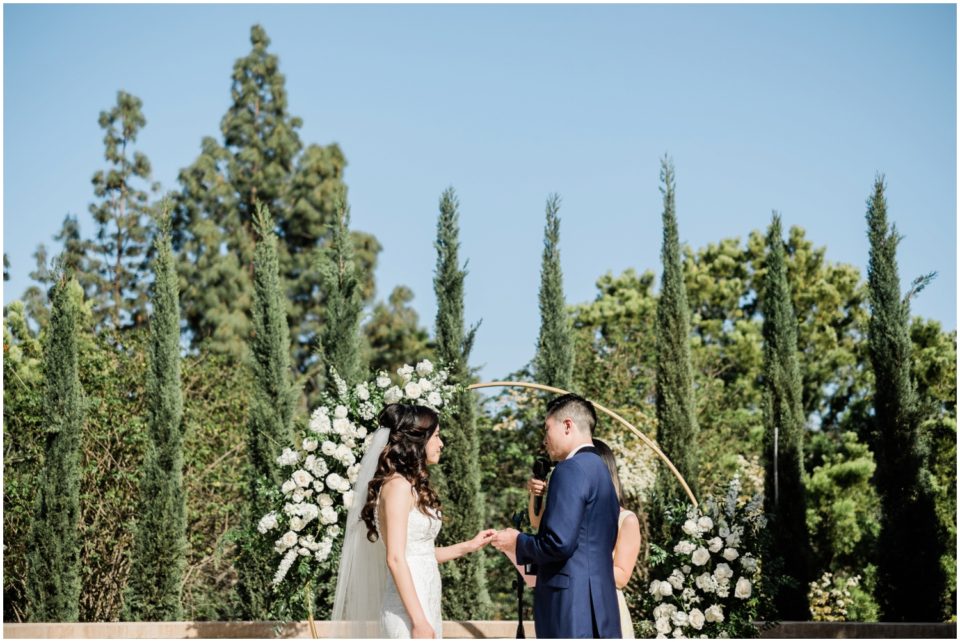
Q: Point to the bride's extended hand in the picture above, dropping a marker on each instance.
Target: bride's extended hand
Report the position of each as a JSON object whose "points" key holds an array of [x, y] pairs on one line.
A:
{"points": [[482, 538], [422, 631]]}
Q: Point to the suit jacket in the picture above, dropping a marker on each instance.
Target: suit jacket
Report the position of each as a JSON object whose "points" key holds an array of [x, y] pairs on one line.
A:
{"points": [[576, 596]]}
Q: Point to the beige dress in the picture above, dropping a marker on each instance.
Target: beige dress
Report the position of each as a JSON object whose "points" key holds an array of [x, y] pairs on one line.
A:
{"points": [[626, 624]]}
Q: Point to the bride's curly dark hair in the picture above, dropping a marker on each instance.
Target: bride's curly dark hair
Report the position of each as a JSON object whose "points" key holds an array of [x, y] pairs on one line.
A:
{"points": [[411, 427]]}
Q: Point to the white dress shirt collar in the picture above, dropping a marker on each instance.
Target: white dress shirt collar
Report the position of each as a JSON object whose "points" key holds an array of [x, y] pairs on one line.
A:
{"points": [[578, 449]]}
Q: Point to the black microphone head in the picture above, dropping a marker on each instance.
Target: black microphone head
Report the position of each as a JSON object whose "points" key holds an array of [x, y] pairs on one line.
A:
{"points": [[541, 467]]}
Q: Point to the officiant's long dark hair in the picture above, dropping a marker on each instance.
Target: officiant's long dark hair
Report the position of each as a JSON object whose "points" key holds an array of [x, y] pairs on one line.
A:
{"points": [[411, 427]]}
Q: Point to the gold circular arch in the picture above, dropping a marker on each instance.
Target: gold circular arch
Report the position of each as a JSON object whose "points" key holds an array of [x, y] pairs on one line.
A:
{"points": [[649, 442]]}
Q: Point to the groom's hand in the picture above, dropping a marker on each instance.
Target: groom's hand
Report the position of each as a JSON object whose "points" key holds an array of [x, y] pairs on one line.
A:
{"points": [[506, 541]]}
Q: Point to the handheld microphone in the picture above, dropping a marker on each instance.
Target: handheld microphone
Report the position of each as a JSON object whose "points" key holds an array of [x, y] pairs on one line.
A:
{"points": [[541, 467]]}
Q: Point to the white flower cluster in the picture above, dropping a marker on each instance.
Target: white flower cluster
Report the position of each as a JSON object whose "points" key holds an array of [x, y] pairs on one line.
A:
{"points": [[315, 497], [710, 573]]}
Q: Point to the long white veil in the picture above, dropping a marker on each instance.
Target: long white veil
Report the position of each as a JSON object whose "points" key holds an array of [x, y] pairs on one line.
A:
{"points": [[361, 579]]}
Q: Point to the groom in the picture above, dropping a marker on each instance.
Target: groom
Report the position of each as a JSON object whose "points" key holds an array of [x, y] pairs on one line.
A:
{"points": [[575, 595]]}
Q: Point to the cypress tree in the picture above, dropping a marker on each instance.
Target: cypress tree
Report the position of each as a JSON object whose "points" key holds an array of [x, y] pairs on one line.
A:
{"points": [[340, 338], [465, 586], [784, 495], [271, 411], [676, 408], [159, 548], [910, 580], [553, 364], [121, 291], [53, 560]]}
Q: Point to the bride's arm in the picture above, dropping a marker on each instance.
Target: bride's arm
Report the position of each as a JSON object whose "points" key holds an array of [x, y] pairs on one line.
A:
{"points": [[395, 504], [452, 552]]}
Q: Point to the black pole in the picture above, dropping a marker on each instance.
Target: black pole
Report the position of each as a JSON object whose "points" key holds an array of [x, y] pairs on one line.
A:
{"points": [[519, 584]]}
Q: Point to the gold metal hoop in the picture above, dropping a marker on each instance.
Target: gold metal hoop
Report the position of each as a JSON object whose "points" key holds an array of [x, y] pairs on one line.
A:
{"points": [[646, 440]]}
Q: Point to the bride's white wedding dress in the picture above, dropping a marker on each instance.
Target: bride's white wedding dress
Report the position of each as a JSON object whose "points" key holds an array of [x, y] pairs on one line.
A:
{"points": [[422, 559]]}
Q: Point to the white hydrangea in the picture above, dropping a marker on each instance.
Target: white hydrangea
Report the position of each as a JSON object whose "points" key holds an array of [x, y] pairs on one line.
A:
{"points": [[706, 583], [288, 457], [340, 412], [268, 522], [319, 421], [392, 395], [424, 368], [412, 390], [405, 372], [749, 563], [676, 579], [684, 547], [367, 411], [342, 426]]}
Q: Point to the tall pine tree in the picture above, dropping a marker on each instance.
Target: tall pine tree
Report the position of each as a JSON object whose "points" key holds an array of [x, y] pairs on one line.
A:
{"points": [[465, 585], [783, 417], [340, 338], [553, 364], [158, 559], [53, 560], [120, 214], [676, 408], [910, 580], [272, 405]]}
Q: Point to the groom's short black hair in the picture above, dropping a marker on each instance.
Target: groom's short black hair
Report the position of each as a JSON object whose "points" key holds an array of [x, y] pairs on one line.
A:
{"points": [[577, 408]]}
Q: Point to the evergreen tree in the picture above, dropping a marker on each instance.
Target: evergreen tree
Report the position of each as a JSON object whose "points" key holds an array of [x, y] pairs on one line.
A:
{"points": [[676, 408], [271, 410], [159, 551], [553, 364], [783, 437], [910, 580], [121, 241], [393, 336], [53, 560], [340, 339], [465, 586]]}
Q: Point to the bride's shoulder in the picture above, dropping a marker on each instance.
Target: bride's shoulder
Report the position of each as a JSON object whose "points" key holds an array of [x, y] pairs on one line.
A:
{"points": [[395, 484]]}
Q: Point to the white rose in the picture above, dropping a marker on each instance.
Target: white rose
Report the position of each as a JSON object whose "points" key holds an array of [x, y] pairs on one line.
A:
{"points": [[665, 589], [344, 486], [320, 423], [749, 563], [690, 528], [328, 448], [342, 426], [663, 625], [696, 619], [678, 633], [328, 515], [267, 523], [714, 613], [676, 579], [706, 583], [333, 531], [715, 544], [288, 487], [679, 618], [324, 500], [289, 539], [392, 395], [362, 392], [405, 372], [705, 523], [723, 571], [383, 381], [425, 385], [686, 569], [310, 444], [340, 412], [296, 524], [348, 499], [424, 368], [730, 554], [700, 556], [302, 478], [333, 481], [412, 390], [288, 457], [743, 588], [684, 547], [361, 432], [297, 496]]}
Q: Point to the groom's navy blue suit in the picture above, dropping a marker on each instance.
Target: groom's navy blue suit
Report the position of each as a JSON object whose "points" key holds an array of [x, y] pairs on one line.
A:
{"points": [[576, 596]]}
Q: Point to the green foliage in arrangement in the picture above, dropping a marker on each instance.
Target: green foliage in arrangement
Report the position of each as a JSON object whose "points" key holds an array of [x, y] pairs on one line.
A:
{"points": [[53, 555], [677, 426], [784, 427], [272, 405], [158, 558], [908, 508], [553, 361], [465, 582]]}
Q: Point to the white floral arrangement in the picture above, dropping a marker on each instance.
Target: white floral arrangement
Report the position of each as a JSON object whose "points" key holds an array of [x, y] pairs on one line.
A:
{"points": [[707, 581], [313, 501]]}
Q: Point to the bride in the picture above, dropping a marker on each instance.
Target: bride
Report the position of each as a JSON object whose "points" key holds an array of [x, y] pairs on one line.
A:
{"points": [[395, 531]]}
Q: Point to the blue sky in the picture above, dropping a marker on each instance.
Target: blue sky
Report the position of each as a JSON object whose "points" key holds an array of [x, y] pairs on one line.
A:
{"points": [[785, 107]]}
